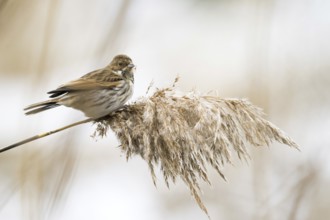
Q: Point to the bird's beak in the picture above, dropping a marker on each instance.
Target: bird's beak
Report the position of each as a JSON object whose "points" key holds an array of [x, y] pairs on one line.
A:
{"points": [[131, 66]]}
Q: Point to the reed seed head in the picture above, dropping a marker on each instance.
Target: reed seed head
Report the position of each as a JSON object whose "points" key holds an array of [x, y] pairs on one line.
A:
{"points": [[183, 133]]}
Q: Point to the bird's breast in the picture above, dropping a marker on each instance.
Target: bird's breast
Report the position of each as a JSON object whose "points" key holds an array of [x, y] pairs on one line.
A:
{"points": [[100, 102]]}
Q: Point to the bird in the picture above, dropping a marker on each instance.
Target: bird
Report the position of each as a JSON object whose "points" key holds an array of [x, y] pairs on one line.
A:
{"points": [[97, 93]]}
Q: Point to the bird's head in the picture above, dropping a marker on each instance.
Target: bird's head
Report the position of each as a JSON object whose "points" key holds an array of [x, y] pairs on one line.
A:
{"points": [[122, 63]]}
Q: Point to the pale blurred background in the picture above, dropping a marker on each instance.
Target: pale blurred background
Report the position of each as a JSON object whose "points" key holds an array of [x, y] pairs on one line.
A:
{"points": [[276, 53]]}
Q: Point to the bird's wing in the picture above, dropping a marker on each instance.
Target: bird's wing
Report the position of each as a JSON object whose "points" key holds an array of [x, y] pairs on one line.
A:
{"points": [[103, 75], [82, 84]]}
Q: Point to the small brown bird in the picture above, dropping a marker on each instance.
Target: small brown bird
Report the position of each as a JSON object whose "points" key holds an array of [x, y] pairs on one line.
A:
{"points": [[97, 93]]}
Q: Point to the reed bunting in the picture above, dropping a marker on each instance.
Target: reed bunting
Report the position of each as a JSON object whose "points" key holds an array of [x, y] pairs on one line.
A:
{"points": [[97, 93]]}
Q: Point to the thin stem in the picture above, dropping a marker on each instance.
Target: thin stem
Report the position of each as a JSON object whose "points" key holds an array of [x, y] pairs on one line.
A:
{"points": [[38, 136]]}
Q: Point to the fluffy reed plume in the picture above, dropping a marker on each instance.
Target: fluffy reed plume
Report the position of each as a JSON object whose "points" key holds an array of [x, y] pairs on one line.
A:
{"points": [[183, 133]]}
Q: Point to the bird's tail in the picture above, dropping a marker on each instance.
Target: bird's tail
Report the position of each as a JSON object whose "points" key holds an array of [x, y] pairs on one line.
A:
{"points": [[41, 106]]}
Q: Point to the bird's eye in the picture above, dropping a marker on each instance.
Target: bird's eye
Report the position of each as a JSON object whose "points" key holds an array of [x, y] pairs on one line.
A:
{"points": [[121, 64]]}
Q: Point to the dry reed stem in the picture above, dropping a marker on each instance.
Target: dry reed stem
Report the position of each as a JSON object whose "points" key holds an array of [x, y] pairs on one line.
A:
{"points": [[183, 133], [45, 134]]}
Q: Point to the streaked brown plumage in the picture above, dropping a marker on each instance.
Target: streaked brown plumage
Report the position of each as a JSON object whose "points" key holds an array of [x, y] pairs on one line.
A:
{"points": [[97, 93]]}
